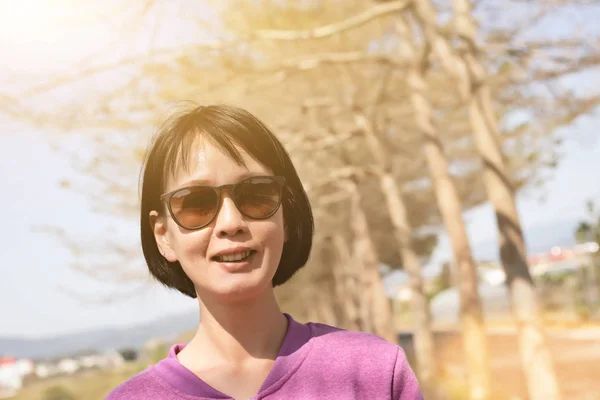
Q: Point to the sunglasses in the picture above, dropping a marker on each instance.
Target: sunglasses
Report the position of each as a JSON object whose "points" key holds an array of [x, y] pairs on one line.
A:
{"points": [[194, 207]]}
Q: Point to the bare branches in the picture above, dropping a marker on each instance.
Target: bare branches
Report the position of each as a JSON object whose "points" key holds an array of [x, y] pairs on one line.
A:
{"points": [[332, 29], [316, 33], [354, 57], [102, 271], [137, 60]]}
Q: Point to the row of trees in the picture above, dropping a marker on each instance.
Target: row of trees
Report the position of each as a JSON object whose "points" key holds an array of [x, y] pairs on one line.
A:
{"points": [[588, 231], [400, 115]]}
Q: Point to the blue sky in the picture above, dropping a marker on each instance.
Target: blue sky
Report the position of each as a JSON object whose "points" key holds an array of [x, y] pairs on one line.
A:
{"points": [[36, 266]]}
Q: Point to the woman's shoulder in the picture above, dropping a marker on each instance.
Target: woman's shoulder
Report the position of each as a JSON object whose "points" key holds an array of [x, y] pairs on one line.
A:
{"points": [[354, 346], [327, 335], [144, 385], [364, 357]]}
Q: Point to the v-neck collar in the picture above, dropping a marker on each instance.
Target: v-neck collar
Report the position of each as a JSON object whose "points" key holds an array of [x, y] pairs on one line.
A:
{"points": [[293, 351]]}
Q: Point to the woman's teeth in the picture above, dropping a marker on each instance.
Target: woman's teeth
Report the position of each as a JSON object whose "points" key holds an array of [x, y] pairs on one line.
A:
{"points": [[233, 257]]}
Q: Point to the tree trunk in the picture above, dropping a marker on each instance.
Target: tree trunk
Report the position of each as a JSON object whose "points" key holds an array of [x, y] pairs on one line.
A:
{"points": [[374, 311], [375, 307], [326, 308], [326, 284], [423, 336], [347, 283], [535, 355], [471, 79], [473, 327], [471, 314]]}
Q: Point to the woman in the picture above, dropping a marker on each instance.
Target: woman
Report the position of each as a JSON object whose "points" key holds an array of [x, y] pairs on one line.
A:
{"points": [[225, 219]]}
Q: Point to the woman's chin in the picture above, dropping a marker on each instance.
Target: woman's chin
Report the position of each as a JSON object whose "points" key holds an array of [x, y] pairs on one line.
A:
{"points": [[238, 288]]}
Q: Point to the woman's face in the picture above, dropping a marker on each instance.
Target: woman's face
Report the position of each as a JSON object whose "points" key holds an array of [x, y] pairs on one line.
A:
{"points": [[200, 252]]}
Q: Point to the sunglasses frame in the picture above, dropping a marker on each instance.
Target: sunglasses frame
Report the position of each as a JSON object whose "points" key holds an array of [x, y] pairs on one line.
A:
{"points": [[166, 197]]}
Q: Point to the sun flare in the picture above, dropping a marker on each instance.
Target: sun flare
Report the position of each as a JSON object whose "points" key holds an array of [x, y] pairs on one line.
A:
{"points": [[31, 19]]}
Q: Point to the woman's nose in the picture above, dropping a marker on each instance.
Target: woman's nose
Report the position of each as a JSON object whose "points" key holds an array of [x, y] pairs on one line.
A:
{"points": [[229, 221]]}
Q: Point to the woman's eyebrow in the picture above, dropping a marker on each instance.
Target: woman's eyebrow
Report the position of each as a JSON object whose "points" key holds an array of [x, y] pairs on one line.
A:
{"points": [[195, 182], [248, 174]]}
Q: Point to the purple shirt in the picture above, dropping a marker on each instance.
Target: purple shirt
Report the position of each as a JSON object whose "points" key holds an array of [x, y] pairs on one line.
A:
{"points": [[315, 361]]}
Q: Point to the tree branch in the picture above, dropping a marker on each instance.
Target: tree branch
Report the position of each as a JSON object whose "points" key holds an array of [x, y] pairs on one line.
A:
{"points": [[135, 60], [333, 58], [337, 27]]}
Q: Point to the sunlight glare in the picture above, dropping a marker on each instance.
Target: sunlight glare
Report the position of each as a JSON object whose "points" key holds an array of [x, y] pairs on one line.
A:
{"points": [[37, 35], [31, 19]]}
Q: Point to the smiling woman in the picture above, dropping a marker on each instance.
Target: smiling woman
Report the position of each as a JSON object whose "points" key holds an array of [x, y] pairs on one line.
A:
{"points": [[224, 219]]}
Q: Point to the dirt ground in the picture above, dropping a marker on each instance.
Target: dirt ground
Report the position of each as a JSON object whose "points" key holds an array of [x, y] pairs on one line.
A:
{"points": [[576, 354]]}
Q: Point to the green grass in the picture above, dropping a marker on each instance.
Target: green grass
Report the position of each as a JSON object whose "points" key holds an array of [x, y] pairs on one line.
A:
{"points": [[89, 385]]}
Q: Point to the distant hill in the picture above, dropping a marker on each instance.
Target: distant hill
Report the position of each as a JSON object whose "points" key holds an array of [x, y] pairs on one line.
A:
{"points": [[167, 328]]}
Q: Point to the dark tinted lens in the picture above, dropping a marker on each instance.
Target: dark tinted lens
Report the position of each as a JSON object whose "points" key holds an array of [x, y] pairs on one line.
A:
{"points": [[258, 197], [194, 207]]}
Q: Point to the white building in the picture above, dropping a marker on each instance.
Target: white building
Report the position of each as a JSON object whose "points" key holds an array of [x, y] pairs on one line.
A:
{"points": [[74, 364], [12, 372]]}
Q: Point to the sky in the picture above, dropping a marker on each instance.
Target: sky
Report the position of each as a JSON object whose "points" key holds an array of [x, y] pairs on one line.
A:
{"points": [[36, 267]]}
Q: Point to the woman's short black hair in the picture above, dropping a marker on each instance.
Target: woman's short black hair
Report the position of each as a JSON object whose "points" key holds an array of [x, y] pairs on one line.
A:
{"points": [[231, 129]]}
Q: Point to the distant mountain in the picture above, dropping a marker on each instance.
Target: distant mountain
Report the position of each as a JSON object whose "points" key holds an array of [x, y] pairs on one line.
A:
{"points": [[167, 328]]}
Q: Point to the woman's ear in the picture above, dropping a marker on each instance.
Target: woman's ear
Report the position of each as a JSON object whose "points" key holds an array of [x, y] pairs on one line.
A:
{"points": [[158, 224]]}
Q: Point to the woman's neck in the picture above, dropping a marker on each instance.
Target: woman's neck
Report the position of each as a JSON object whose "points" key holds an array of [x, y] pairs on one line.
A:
{"points": [[239, 332]]}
